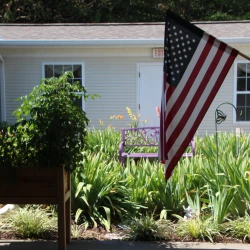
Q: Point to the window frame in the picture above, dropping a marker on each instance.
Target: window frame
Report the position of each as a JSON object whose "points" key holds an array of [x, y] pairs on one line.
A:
{"points": [[67, 63], [238, 92]]}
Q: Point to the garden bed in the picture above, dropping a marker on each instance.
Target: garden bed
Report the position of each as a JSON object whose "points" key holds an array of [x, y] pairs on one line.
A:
{"points": [[101, 234]]}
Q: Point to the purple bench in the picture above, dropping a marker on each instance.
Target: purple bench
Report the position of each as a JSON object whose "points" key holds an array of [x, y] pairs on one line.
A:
{"points": [[143, 137]]}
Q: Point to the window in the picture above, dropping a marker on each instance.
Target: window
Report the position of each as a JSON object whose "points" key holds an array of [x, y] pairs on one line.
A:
{"points": [[243, 92], [56, 70]]}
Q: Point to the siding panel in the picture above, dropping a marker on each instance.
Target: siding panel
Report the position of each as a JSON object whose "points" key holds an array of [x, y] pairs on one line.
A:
{"points": [[109, 73]]}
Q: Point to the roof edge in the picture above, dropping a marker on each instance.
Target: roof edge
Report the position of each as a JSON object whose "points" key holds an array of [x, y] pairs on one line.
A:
{"points": [[104, 42]]}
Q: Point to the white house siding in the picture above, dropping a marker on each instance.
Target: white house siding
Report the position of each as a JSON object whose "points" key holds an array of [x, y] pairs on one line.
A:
{"points": [[109, 72], [225, 94], [21, 75]]}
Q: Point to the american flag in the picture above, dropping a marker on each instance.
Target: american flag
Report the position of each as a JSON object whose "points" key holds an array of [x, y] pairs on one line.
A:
{"points": [[195, 65]]}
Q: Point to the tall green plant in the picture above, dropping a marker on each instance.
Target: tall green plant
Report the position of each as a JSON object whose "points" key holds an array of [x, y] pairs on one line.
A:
{"points": [[103, 192], [104, 141]]}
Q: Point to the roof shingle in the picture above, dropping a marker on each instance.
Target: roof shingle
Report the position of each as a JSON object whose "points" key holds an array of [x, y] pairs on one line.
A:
{"points": [[27, 32]]}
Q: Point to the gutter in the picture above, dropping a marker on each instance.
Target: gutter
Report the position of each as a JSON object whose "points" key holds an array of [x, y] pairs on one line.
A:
{"points": [[83, 43], [105, 42]]}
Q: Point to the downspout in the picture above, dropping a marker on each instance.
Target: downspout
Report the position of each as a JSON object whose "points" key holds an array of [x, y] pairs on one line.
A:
{"points": [[2, 91]]}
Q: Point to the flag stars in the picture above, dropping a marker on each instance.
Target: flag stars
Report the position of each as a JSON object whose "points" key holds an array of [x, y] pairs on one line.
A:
{"points": [[179, 46]]}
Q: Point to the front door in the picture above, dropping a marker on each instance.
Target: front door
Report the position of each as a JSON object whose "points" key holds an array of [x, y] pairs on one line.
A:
{"points": [[150, 77]]}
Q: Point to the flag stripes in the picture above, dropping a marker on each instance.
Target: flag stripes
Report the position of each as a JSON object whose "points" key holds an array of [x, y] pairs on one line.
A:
{"points": [[186, 105]]}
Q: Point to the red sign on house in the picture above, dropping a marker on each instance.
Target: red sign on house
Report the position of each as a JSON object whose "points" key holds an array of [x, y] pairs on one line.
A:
{"points": [[158, 53]]}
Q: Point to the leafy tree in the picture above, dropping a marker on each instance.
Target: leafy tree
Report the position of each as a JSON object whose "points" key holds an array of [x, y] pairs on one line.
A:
{"points": [[95, 11]]}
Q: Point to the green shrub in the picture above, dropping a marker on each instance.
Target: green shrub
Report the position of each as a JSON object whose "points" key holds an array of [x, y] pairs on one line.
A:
{"points": [[198, 228], [146, 227], [51, 127], [239, 228]]}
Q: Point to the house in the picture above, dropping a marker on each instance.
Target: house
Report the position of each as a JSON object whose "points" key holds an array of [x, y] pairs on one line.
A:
{"points": [[121, 62]]}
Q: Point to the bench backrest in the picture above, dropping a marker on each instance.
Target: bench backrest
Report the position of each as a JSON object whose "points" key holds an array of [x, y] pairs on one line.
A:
{"points": [[144, 136]]}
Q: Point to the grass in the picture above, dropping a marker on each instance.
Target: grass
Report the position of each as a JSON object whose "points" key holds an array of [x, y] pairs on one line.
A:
{"points": [[31, 221]]}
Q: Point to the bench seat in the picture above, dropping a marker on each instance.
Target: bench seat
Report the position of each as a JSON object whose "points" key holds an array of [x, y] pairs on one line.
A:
{"points": [[148, 155]]}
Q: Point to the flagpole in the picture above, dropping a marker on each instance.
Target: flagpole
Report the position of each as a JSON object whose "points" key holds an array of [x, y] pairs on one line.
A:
{"points": [[243, 55], [163, 7]]}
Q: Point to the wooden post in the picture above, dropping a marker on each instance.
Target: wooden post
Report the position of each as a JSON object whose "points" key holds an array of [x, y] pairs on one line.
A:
{"points": [[61, 210], [68, 210]]}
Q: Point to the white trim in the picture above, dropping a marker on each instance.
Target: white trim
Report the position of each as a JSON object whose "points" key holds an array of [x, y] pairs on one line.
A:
{"points": [[235, 93], [237, 40], [85, 43], [2, 86], [68, 63], [138, 80], [106, 42]]}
